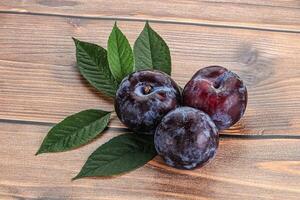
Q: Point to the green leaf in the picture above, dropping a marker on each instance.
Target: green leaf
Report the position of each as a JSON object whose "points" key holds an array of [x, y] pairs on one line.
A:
{"points": [[120, 56], [93, 65], [151, 51], [75, 130], [121, 154]]}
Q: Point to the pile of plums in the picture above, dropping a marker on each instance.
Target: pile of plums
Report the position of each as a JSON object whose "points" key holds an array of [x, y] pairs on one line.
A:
{"points": [[185, 124]]}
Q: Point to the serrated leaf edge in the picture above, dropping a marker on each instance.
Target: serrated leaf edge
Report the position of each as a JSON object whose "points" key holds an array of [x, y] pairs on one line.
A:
{"points": [[40, 151]]}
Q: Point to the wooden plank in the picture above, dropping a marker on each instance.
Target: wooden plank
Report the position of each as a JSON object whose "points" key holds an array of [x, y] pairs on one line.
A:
{"points": [[281, 15], [242, 169], [39, 81]]}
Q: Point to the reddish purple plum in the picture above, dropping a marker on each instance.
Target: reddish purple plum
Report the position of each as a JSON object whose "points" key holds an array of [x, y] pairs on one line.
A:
{"points": [[144, 97], [186, 138], [218, 92]]}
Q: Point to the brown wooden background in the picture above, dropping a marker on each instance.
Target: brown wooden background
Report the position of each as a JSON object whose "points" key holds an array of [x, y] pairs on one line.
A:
{"points": [[259, 158]]}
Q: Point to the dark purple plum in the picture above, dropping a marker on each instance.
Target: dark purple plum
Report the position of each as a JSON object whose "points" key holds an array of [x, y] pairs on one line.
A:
{"points": [[218, 92], [186, 138], [144, 97]]}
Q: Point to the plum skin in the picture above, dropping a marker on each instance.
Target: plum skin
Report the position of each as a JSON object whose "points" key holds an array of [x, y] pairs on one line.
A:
{"points": [[144, 97], [218, 92], [186, 138]]}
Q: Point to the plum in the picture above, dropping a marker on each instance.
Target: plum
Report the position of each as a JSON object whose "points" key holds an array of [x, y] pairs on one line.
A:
{"points": [[218, 92], [186, 138], [144, 97]]}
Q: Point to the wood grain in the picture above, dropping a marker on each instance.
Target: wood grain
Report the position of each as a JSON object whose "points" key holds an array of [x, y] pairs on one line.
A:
{"points": [[39, 80], [40, 85], [242, 169], [280, 15]]}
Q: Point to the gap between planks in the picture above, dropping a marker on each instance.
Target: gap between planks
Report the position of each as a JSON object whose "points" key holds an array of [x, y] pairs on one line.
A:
{"points": [[222, 135], [206, 24]]}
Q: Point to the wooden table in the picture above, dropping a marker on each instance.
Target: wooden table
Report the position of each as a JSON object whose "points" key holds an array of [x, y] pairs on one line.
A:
{"points": [[259, 158]]}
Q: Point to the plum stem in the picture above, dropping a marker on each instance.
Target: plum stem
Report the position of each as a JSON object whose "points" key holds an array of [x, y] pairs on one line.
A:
{"points": [[147, 89]]}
